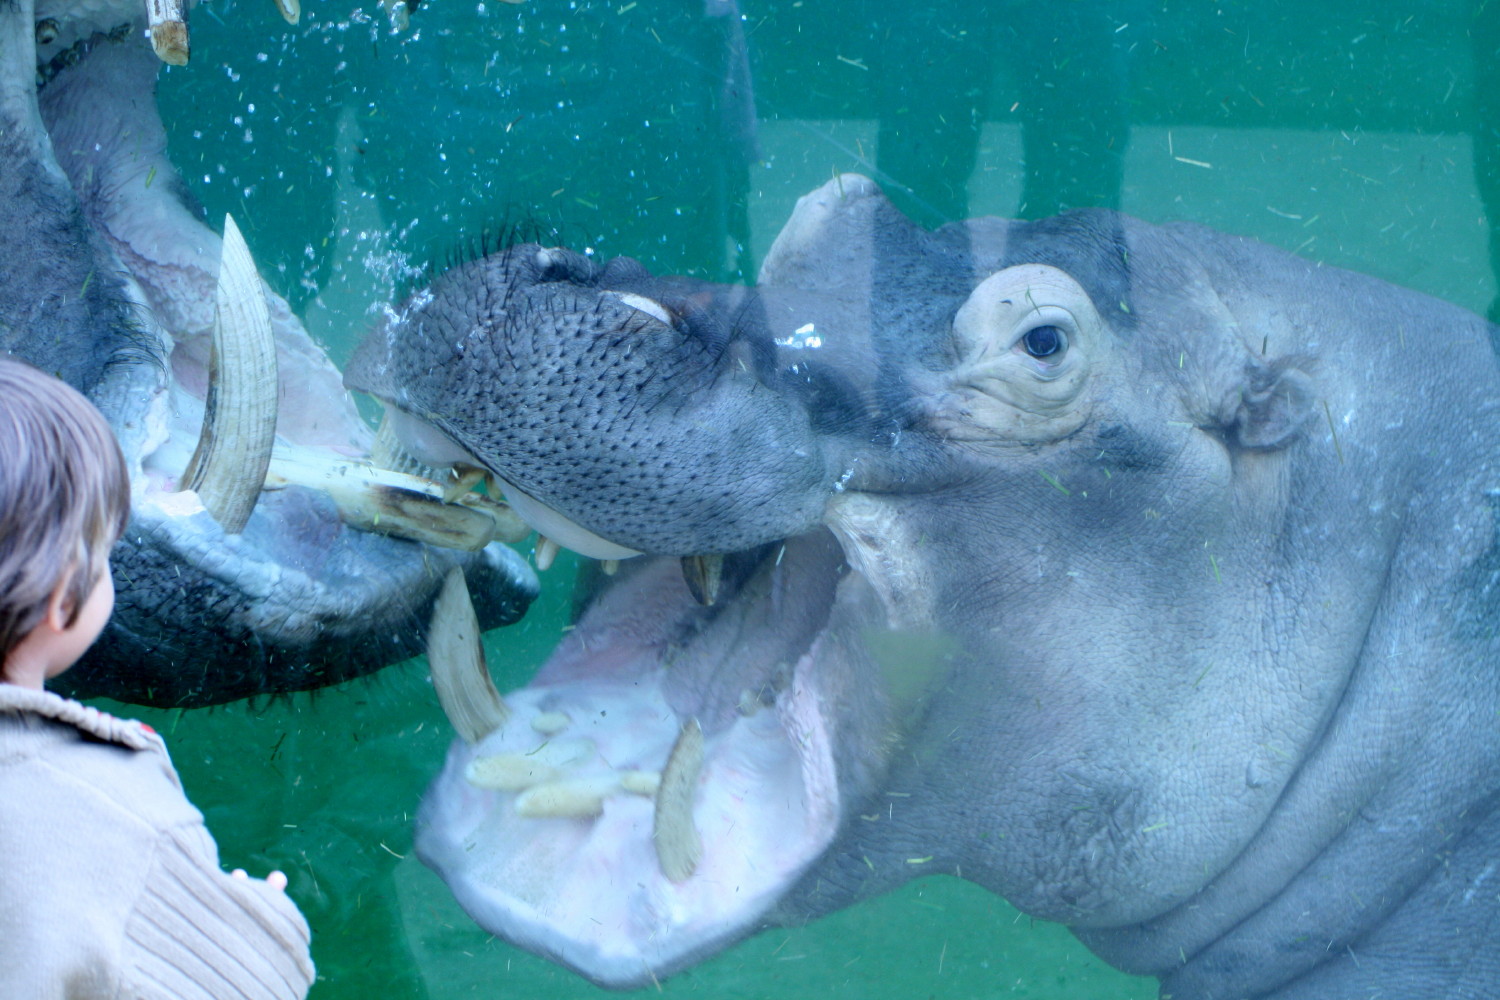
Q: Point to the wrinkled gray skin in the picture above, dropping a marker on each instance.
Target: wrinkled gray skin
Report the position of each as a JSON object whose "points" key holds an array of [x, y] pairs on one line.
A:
{"points": [[1182, 635], [108, 281]]}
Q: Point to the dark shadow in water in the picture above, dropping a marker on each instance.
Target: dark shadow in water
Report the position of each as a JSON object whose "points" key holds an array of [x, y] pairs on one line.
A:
{"points": [[1059, 69]]}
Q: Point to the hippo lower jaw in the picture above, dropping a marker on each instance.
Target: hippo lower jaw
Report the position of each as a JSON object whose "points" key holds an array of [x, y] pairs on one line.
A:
{"points": [[665, 780], [575, 867]]}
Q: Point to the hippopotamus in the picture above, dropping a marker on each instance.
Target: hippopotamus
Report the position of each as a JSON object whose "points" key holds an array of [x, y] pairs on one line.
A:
{"points": [[1142, 574], [264, 569]]}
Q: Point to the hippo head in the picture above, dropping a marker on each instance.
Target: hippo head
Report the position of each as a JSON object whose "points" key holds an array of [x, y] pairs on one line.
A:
{"points": [[1072, 557], [259, 556]]}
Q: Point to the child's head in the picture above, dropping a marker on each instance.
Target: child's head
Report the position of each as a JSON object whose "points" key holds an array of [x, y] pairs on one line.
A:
{"points": [[64, 499]]}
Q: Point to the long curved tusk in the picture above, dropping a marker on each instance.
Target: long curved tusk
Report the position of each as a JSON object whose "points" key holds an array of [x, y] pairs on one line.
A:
{"points": [[456, 659], [228, 467], [167, 23], [388, 502], [679, 848]]}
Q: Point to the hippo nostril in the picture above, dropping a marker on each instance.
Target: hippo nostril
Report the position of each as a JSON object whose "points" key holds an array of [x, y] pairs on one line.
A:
{"points": [[625, 272], [561, 264]]}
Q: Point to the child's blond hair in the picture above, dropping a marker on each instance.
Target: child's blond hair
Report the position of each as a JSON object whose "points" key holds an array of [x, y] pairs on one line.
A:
{"points": [[64, 497]]}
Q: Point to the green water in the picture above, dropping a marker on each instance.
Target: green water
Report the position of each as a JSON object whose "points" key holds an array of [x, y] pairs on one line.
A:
{"points": [[324, 786], [354, 158]]}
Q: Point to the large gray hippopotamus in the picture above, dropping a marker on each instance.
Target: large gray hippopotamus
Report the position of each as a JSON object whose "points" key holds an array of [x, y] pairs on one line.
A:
{"points": [[1144, 575], [250, 571]]}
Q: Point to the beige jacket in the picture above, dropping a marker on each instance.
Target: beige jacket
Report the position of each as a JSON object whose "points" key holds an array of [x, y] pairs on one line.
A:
{"points": [[110, 885]]}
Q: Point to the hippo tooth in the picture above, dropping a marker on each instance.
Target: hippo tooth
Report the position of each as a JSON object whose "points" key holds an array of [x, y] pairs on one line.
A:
{"points": [[678, 846], [609, 566], [546, 551], [228, 467], [389, 453], [456, 659], [167, 20], [394, 503], [550, 723], [573, 798], [511, 772], [553, 761], [703, 575], [645, 783], [291, 10], [464, 481]]}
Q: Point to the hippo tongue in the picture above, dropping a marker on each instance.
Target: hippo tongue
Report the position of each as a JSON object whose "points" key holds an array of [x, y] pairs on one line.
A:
{"points": [[670, 774]]}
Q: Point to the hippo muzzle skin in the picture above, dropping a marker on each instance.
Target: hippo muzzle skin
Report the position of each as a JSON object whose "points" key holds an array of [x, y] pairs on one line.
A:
{"points": [[108, 279], [1141, 574]]}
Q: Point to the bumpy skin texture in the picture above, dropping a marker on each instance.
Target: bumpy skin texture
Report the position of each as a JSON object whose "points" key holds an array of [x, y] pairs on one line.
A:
{"points": [[100, 282], [570, 384], [1211, 591]]}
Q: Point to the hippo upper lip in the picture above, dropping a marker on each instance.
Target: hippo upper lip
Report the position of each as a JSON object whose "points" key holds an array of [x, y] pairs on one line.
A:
{"points": [[485, 353]]}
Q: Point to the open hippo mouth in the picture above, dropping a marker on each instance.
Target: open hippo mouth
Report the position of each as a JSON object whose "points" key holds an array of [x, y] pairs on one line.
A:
{"points": [[259, 557], [667, 776], [700, 735]]}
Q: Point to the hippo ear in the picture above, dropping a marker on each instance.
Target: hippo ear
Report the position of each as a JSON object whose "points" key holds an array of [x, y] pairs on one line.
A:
{"points": [[1276, 401]]}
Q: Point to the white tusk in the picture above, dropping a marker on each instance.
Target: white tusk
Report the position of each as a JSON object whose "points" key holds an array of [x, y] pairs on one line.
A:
{"points": [[167, 21], [456, 659], [291, 10], [228, 467], [382, 500], [546, 552], [550, 723], [678, 846]]}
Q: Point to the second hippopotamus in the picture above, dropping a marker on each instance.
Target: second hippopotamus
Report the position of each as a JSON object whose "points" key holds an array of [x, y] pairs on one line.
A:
{"points": [[1142, 574]]}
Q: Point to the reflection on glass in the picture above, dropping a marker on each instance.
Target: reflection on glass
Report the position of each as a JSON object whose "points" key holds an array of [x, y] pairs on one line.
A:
{"points": [[369, 158]]}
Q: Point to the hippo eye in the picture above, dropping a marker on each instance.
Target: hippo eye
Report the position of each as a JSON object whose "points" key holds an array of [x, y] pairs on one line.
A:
{"points": [[1044, 341]]}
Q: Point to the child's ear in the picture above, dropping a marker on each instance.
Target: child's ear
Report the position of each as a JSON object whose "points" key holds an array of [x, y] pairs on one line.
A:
{"points": [[59, 606]]}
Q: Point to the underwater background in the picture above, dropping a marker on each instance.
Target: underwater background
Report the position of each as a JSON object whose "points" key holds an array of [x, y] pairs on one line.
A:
{"points": [[362, 149]]}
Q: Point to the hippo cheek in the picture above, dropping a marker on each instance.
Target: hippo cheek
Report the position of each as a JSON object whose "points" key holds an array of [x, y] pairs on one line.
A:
{"points": [[1028, 342]]}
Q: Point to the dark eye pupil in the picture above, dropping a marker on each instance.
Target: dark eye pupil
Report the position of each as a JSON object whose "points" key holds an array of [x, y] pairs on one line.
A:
{"points": [[1043, 341]]}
